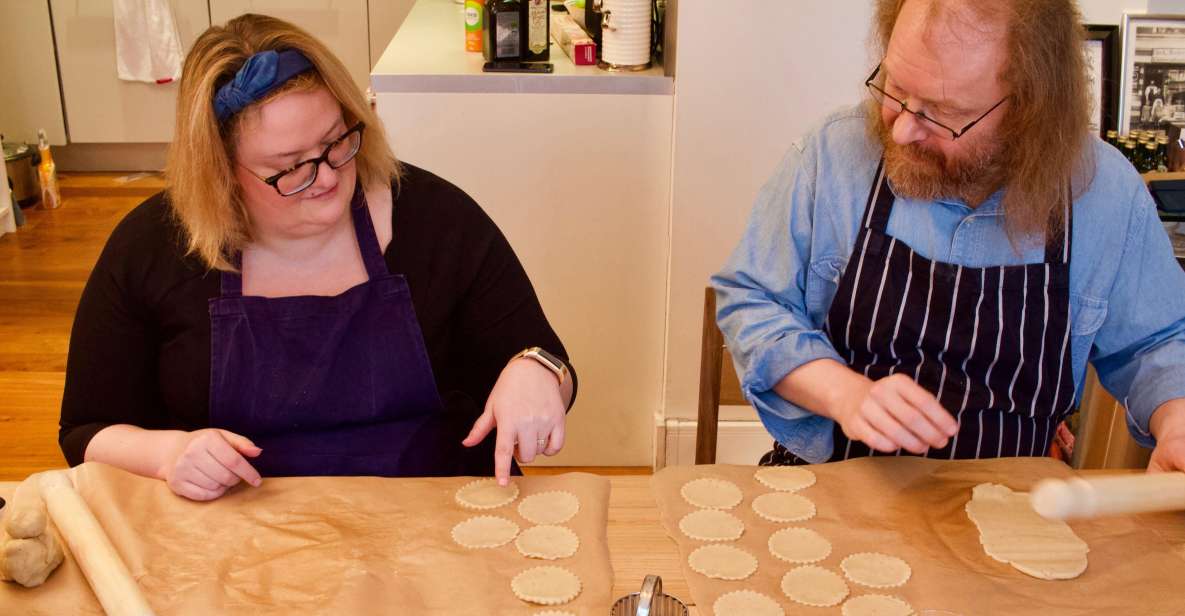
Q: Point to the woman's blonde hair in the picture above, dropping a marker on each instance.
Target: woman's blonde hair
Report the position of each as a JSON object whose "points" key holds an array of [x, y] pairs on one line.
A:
{"points": [[205, 197]]}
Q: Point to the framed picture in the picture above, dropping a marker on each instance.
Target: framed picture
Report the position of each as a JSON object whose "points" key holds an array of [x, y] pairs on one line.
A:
{"points": [[1153, 81], [1102, 62]]}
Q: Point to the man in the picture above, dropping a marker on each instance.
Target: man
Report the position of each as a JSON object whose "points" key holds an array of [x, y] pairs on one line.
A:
{"points": [[928, 273]]}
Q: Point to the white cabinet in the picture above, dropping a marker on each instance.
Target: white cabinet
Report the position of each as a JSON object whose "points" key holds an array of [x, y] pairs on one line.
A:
{"points": [[29, 97], [340, 24], [99, 107]]}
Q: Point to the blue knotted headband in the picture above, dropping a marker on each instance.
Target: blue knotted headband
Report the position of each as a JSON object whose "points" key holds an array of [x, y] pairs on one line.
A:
{"points": [[262, 73]]}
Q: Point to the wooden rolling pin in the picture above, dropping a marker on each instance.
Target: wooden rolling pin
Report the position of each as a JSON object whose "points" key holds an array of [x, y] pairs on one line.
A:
{"points": [[1114, 495], [100, 563]]}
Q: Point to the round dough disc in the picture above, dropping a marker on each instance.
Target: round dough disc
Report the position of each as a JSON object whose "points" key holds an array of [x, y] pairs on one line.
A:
{"points": [[486, 494], [484, 532], [876, 605], [746, 602], [784, 507], [547, 542], [549, 507], [799, 545], [711, 493], [711, 525], [546, 585], [814, 586], [876, 570], [785, 478], [723, 562]]}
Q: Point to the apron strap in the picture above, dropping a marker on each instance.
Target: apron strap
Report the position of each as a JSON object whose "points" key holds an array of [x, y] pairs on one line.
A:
{"points": [[368, 240], [232, 282], [1057, 245], [880, 201]]}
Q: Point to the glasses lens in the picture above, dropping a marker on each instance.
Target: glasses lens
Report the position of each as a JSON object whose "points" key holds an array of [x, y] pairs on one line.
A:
{"points": [[297, 180], [344, 150], [894, 105], [936, 129]]}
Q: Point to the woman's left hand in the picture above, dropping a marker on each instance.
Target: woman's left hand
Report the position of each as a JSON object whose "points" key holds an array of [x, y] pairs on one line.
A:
{"points": [[527, 407]]}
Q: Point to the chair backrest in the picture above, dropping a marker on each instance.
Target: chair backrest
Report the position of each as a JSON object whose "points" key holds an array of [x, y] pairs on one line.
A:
{"points": [[718, 383]]}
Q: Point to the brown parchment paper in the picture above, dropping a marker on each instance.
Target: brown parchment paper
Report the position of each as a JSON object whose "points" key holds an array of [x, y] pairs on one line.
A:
{"points": [[912, 508], [321, 545]]}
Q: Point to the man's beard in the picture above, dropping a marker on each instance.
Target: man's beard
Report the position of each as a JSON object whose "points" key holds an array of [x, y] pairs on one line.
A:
{"points": [[921, 173]]}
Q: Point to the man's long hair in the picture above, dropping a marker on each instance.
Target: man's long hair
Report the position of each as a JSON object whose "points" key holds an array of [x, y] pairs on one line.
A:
{"points": [[1046, 129]]}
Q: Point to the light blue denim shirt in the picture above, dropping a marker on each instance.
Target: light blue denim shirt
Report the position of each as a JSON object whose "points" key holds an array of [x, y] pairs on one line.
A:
{"points": [[1127, 293]]}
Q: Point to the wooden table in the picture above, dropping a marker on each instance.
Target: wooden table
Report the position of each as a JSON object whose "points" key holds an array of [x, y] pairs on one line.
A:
{"points": [[638, 544]]}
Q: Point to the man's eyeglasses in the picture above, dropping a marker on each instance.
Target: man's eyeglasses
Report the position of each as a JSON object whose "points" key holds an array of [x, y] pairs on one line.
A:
{"points": [[935, 127], [302, 175]]}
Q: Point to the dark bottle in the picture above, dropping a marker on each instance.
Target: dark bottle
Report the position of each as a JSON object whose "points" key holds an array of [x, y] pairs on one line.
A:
{"points": [[1162, 154], [536, 30], [504, 31], [1129, 151], [1149, 157], [1113, 138]]}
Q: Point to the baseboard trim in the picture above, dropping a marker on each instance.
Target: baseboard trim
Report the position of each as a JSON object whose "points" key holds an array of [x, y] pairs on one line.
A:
{"points": [[737, 442]]}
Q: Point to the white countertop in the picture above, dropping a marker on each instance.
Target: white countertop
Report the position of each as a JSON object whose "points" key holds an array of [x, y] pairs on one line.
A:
{"points": [[428, 55]]}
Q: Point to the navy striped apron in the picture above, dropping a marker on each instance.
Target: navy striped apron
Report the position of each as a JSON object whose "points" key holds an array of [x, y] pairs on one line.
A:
{"points": [[991, 343]]}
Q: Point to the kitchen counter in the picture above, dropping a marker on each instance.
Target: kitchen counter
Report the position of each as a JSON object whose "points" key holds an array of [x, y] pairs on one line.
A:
{"points": [[428, 55]]}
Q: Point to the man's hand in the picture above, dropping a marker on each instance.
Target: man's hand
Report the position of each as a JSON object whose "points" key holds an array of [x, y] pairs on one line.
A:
{"points": [[895, 413], [1168, 427]]}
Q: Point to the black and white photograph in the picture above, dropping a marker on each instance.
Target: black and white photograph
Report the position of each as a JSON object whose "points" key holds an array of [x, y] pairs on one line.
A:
{"points": [[1102, 61], [1153, 72]]}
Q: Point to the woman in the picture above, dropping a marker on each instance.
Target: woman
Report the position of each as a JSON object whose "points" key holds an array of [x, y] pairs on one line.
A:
{"points": [[299, 303]]}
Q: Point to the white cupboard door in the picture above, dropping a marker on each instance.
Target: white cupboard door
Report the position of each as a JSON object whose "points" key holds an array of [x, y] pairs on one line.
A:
{"points": [[29, 95], [99, 107]]}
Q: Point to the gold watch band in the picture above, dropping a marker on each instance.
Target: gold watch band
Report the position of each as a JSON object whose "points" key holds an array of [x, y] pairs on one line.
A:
{"points": [[547, 360]]}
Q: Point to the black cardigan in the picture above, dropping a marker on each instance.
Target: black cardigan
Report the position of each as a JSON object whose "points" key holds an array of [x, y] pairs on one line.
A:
{"points": [[140, 347]]}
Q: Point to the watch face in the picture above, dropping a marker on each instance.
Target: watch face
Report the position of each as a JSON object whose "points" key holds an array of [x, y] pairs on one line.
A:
{"points": [[552, 359]]}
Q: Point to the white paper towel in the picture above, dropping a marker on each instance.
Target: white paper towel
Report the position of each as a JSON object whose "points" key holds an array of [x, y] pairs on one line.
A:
{"points": [[625, 38]]}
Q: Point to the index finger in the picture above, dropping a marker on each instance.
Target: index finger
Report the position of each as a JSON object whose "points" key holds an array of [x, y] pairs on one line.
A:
{"points": [[503, 453], [925, 402], [234, 461]]}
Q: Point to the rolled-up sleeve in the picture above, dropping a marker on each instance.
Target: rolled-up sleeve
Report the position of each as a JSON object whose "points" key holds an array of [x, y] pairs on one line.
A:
{"points": [[762, 308], [1139, 352]]}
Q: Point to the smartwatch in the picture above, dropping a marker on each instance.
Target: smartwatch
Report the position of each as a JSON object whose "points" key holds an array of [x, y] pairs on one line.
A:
{"points": [[549, 361]]}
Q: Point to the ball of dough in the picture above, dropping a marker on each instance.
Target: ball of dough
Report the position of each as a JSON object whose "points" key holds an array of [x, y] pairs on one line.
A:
{"points": [[29, 562]]}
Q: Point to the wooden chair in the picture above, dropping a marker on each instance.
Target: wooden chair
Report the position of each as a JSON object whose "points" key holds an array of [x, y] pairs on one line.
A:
{"points": [[718, 383]]}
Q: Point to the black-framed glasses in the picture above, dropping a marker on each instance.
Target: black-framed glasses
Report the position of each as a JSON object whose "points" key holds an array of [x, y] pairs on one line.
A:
{"points": [[935, 127], [302, 175]]}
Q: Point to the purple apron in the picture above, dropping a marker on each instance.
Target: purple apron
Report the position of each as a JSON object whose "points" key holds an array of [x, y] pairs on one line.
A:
{"points": [[336, 385]]}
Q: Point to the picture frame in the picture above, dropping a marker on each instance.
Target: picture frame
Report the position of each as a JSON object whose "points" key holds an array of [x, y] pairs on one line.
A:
{"points": [[1103, 51], [1152, 84]]}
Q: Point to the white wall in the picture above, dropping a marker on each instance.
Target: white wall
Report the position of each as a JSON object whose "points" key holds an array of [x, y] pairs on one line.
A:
{"points": [[751, 79]]}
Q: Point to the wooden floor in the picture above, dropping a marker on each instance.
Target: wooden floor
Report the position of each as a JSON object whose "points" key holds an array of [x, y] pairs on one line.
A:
{"points": [[43, 267]]}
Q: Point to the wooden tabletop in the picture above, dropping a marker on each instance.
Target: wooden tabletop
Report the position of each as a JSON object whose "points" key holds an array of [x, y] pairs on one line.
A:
{"points": [[638, 544]]}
